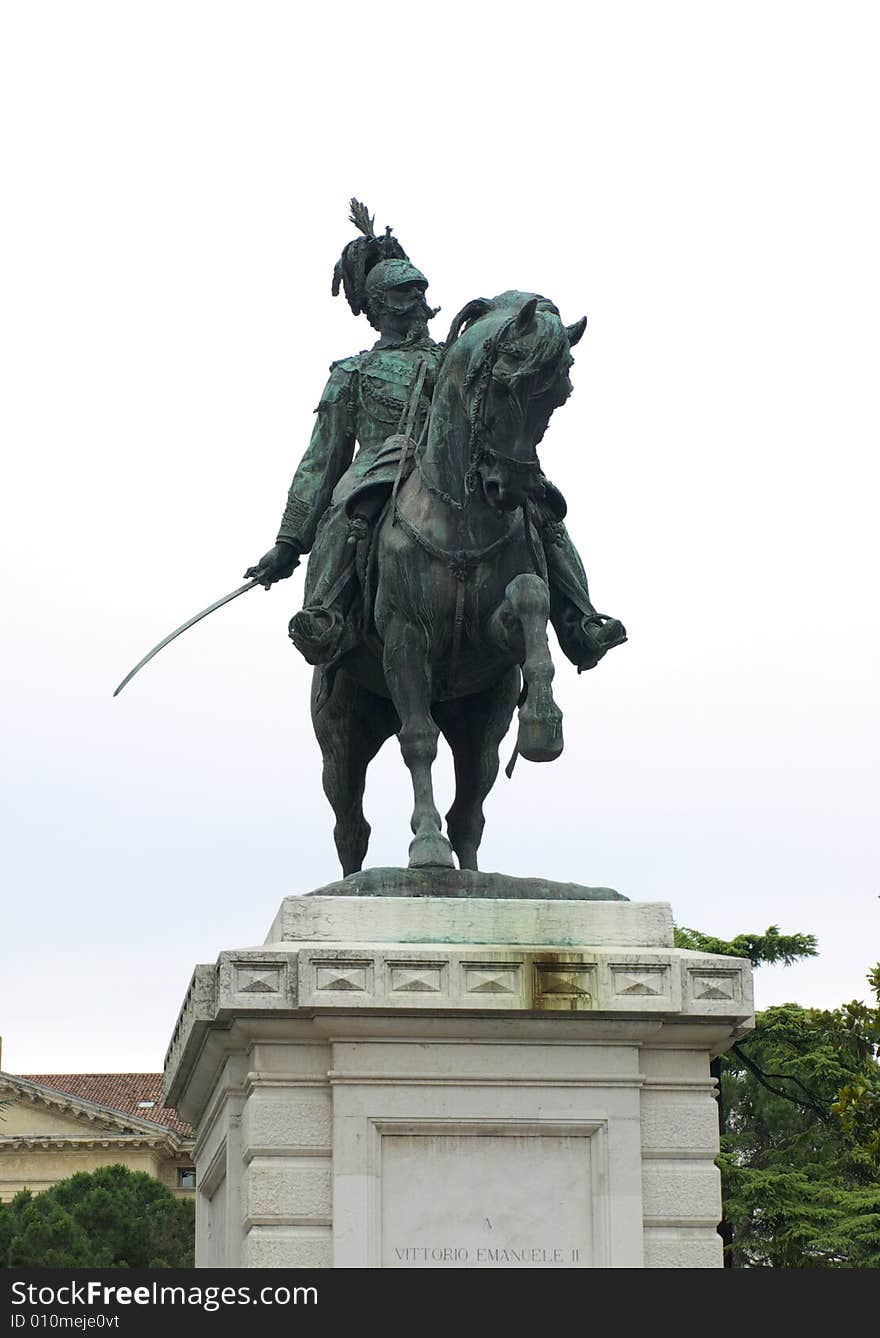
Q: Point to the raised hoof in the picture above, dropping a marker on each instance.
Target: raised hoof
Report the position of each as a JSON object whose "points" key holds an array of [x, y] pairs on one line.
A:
{"points": [[540, 740], [432, 850]]}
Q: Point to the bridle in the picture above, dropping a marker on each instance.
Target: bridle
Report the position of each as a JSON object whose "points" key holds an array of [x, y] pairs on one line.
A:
{"points": [[480, 377], [515, 466]]}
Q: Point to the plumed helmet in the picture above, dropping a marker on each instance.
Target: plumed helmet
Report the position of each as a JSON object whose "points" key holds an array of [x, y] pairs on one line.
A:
{"points": [[366, 254]]}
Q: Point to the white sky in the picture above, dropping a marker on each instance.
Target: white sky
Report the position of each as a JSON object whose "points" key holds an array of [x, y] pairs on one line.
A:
{"points": [[701, 180]]}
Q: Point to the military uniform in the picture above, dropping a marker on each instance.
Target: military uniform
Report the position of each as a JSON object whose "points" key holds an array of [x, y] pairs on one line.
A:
{"points": [[362, 405]]}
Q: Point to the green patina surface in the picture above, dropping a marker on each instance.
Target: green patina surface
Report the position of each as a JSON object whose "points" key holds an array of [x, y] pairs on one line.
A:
{"points": [[438, 553]]}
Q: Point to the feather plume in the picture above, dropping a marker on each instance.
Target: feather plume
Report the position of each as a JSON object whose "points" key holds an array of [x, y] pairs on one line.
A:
{"points": [[360, 217]]}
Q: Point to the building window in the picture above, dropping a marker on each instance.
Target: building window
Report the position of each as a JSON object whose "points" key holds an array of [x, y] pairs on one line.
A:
{"points": [[186, 1178]]}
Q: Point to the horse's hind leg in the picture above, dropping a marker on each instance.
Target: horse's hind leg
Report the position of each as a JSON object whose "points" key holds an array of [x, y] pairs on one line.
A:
{"points": [[520, 623], [474, 727], [351, 725], [408, 675]]}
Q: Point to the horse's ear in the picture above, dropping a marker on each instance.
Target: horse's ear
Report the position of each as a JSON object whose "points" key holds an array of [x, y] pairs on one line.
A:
{"points": [[526, 315], [472, 312], [575, 331]]}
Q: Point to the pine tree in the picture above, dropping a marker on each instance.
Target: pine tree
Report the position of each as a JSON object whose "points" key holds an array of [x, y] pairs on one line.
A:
{"points": [[111, 1218]]}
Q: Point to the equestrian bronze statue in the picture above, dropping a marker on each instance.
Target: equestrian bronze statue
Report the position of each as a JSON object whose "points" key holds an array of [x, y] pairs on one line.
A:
{"points": [[438, 550]]}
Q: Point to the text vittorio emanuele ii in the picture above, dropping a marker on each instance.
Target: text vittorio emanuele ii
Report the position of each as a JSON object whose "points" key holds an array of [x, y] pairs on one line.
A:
{"points": [[484, 1254]]}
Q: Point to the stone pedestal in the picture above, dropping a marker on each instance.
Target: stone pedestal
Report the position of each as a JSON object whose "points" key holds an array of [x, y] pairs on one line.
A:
{"points": [[411, 1082]]}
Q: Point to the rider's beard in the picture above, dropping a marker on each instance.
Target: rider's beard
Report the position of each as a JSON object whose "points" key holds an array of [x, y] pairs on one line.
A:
{"points": [[417, 328], [419, 315], [413, 322]]}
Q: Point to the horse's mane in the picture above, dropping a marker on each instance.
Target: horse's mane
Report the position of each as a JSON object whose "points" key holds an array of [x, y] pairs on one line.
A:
{"points": [[529, 337]]}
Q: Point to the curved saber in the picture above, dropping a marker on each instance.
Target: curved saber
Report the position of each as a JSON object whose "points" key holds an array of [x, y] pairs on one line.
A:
{"points": [[177, 631]]}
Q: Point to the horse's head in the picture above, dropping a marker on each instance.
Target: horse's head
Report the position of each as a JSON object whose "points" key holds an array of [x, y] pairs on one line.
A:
{"points": [[511, 357]]}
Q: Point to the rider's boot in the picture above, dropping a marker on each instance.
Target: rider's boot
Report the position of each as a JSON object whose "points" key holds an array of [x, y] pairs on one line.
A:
{"points": [[317, 634], [323, 629], [583, 634], [319, 629]]}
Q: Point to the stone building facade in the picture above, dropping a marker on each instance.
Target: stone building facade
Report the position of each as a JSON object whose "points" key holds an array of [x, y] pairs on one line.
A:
{"points": [[53, 1125]]}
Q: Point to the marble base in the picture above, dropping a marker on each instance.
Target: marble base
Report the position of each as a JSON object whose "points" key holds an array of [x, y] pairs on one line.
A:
{"points": [[457, 1083]]}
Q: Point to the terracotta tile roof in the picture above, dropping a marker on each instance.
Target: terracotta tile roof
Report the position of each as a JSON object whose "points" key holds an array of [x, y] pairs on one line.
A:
{"points": [[119, 1091]]}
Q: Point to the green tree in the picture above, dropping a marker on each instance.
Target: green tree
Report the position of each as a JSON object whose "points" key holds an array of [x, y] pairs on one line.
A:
{"points": [[800, 1124], [111, 1218], [761, 949], [857, 1029], [801, 1184]]}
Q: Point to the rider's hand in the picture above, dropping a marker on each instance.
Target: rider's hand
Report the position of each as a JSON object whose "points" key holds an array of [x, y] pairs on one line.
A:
{"points": [[276, 565]]}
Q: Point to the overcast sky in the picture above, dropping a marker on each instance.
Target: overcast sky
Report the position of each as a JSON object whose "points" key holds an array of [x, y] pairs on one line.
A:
{"points": [[701, 181]]}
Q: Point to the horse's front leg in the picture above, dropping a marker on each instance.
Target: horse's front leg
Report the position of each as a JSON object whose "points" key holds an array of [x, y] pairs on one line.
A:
{"points": [[520, 625], [408, 675]]}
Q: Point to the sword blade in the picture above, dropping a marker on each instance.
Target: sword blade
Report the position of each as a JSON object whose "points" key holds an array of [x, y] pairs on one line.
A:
{"points": [[177, 631]]}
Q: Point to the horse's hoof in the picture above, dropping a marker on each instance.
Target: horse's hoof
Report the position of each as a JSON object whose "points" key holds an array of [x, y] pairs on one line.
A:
{"points": [[432, 850], [540, 740]]}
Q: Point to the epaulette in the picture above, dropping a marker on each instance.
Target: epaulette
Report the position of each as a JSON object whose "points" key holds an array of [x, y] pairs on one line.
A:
{"points": [[352, 364]]}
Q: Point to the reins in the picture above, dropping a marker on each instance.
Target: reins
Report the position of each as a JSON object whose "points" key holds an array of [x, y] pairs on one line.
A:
{"points": [[409, 414]]}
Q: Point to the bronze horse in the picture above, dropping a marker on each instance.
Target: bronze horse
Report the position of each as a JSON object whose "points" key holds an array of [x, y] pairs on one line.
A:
{"points": [[457, 598]]}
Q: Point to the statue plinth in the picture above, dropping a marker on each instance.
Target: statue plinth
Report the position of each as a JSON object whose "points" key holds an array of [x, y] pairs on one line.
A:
{"points": [[415, 1081]]}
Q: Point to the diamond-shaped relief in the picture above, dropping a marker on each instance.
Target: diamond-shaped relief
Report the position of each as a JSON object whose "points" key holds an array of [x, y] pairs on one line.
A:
{"points": [[426, 979], [641, 981], [482, 980], [715, 985], [258, 980], [564, 980], [341, 976]]}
